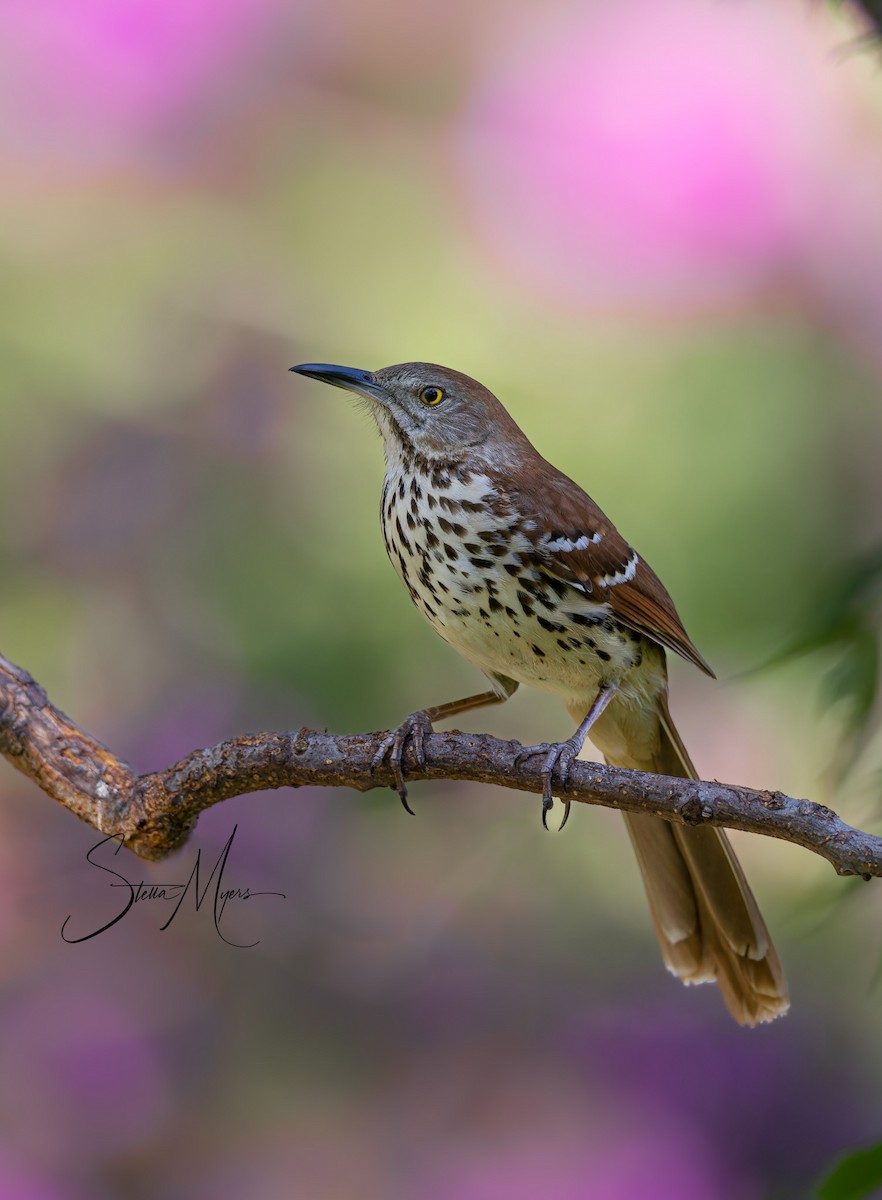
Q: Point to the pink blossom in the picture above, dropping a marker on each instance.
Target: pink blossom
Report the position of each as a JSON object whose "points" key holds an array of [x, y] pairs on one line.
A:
{"points": [[82, 78], [639, 149]]}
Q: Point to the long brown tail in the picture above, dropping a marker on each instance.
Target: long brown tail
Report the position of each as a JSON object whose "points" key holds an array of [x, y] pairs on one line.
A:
{"points": [[706, 918]]}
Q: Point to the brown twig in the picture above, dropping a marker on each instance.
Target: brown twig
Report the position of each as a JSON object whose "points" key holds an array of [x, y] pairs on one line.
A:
{"points": [[155, 813]]}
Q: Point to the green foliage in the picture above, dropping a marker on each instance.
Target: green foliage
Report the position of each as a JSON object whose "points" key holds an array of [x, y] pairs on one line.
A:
{"points": [[855, 1176], [845, 624], [872, 9]]}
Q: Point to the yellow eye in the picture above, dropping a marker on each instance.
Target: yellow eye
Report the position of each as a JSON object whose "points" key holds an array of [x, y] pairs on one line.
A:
{"points": [[431, 396]]}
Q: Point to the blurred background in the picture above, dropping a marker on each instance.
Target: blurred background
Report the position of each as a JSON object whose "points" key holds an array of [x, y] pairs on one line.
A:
{"points": [[655, 231]]}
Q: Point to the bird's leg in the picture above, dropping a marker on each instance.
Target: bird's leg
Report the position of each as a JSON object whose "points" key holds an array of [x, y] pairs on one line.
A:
{"points": [[414, 729], [561, 754]]}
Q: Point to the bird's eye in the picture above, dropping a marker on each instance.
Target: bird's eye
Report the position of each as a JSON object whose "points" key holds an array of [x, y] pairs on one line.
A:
{"points": [[431, 396]]}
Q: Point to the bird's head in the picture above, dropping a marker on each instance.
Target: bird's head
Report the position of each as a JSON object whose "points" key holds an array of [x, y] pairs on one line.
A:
{"points": [[432, 410]]}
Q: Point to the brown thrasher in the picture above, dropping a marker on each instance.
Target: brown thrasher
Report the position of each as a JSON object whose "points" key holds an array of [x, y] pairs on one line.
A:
{"points": [[520, 571]]}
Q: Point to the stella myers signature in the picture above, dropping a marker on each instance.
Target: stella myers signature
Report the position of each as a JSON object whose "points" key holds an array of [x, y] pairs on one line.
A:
{"points": [[173, 892]]}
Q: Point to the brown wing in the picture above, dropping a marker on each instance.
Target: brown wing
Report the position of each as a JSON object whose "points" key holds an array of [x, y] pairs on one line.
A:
{"points": [[575, 541]]}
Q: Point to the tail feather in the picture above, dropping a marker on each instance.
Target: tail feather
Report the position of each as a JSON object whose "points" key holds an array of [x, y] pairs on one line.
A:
{"points": [[708, 923]]}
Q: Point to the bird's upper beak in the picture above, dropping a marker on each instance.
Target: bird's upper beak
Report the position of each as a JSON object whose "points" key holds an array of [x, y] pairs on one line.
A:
{"points": [[351, 378]]}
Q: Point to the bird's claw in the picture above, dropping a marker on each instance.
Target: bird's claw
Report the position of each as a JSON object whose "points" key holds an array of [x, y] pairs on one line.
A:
{"points": [[559, 756], [413, 729]]}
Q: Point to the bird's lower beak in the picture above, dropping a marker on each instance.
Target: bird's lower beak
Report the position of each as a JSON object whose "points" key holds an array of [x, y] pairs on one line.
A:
{"points": [[361, 382]]}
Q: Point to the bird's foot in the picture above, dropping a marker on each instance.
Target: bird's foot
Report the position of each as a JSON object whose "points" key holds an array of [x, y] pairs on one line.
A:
{"points": [[558, 756], [413, 729]]}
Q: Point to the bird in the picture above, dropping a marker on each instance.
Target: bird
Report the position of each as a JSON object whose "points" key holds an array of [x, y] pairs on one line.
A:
{"points": [[521, 572]]}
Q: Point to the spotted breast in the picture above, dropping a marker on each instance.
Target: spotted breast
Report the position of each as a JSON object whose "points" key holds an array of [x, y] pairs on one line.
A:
{"points": [[521, 572], [471, 564]]}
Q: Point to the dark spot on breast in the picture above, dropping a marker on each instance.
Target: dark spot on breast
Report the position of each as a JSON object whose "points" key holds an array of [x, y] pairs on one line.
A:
{"points": [[401, 489], [510, 612], [449, 551], [405, 543], [495, 606], [498, 551], [470, 507], [452, 527], [551, 626], [513, 568], [411, 522], [557, 585], [473, 548], [563, 645], [581, 619], [415, 489], [602, 655], [432, 500], [524, 601], [427, 583], [481, 563], [483, 612], [537, 651], [431, 536]]}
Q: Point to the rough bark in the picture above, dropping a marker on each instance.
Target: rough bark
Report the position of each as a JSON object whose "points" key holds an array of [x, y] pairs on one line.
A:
{"points": [[155, 813]]}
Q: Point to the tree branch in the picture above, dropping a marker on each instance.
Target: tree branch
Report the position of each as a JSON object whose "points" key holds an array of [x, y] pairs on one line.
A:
{"points": [[155, 813]]}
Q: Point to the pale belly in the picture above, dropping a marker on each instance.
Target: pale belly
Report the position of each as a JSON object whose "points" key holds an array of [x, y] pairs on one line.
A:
{"points": [[470, 577]]}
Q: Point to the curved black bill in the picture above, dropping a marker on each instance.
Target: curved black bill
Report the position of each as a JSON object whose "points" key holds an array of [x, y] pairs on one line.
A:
{"points": [[350, 378]]}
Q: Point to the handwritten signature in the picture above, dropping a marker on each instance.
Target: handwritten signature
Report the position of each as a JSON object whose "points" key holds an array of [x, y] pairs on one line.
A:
{"points": [[174, 893]]}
